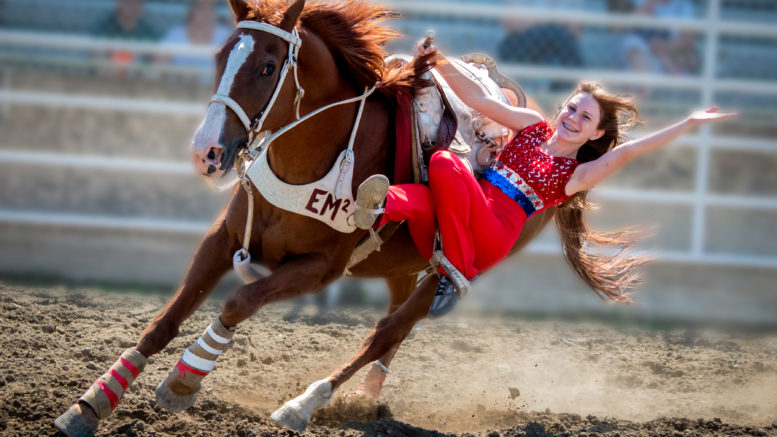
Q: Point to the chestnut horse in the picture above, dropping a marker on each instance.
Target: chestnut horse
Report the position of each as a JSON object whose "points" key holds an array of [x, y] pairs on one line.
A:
{"points": [[334, 51]]}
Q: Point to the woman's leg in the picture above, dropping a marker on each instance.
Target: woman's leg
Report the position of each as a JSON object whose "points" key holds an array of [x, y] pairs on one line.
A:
{"points": [[412, 202], [465, 216]]}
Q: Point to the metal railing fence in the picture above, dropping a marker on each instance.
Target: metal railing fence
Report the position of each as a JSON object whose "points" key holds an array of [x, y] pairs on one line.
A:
{"points": [[709, 83]]}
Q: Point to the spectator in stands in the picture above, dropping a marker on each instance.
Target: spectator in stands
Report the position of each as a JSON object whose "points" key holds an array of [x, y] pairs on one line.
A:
{"points": [[201, 27], [634, 53], [542, 43], [126, 21], [677, 50]]}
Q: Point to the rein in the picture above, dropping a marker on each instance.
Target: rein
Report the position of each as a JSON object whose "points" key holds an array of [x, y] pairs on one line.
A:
{"points": [[259, 140]]}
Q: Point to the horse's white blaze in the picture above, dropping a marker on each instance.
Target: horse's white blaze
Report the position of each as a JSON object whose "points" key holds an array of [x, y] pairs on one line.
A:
{"points": [[209, 132], [236, 59]]}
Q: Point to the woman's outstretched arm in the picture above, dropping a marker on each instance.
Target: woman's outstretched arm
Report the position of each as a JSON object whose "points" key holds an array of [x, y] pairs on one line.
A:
{"points": [[587, 175], [470, 92]]}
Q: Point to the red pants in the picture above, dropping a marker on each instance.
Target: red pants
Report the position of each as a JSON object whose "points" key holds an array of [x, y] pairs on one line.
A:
{"points": [[412, 202], [479, 224]]}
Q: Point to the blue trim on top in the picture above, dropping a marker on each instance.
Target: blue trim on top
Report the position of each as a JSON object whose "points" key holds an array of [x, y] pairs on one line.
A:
{"points": [[507, 187]]}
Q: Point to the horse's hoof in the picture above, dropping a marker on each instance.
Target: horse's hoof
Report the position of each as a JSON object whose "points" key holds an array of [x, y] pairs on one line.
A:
{"points": [[77, 422], [296, 413], [289, 417], [171, 401]]}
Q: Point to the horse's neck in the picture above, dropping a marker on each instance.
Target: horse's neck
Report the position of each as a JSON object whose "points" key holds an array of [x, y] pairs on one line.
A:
{"points": [[307, 152]]}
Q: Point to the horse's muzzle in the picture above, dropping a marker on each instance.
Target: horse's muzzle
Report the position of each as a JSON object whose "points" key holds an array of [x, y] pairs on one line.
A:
{"points": [[210, 161]]}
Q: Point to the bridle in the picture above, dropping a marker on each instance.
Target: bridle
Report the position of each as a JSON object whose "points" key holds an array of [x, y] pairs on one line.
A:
{"points": [[259, 139], [254, 128]]}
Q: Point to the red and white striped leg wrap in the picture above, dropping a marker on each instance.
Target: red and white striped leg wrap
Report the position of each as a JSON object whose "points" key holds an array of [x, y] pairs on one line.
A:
{"points": [[199, 359], [104, 395]]}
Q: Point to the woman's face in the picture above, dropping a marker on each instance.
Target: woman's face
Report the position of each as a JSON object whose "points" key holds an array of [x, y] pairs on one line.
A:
{"points": [[579, 119]]}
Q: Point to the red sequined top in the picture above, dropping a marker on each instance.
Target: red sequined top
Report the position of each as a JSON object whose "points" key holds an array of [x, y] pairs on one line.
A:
{"points": [[528, 175]]}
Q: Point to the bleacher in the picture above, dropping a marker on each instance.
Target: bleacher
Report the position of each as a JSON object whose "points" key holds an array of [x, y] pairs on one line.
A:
{"points": [[78, 134], [741, 59], [78, 16]]}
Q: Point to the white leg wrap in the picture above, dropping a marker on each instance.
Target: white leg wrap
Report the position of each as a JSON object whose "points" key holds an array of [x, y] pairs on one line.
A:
{"points": [[202, 354], [179, 390]]}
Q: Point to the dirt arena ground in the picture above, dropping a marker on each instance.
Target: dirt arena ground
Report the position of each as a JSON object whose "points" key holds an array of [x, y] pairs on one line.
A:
{"points": [[461, 375]]}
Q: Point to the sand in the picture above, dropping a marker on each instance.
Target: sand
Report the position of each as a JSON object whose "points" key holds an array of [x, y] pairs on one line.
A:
{"points": [[460, 375]]}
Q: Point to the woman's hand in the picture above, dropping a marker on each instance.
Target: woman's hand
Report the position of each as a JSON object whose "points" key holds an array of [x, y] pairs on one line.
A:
{"points": [[486, 155], [701, 117], [588, 174], [425, 47]]}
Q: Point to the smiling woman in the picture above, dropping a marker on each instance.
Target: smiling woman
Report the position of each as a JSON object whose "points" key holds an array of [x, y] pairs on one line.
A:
{"points": [[479, 221]]}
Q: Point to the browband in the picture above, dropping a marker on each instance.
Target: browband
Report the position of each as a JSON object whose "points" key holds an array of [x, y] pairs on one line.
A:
{"points": [[291, 38]]}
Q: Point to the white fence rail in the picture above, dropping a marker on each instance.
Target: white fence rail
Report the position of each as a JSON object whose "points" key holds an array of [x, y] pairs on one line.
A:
{"points": [[708, 84]]}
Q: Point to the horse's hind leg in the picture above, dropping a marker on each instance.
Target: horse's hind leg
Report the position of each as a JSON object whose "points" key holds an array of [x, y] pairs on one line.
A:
{"points": [[400, 288], [387, 334], [212, 259]]}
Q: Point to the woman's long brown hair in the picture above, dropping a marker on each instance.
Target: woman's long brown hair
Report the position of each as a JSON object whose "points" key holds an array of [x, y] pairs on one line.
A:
{"points": [[601, 259]]}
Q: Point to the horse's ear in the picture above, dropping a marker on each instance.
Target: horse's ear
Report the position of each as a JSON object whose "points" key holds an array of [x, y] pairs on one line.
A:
{"points": [[291, 15], [239, 8]]}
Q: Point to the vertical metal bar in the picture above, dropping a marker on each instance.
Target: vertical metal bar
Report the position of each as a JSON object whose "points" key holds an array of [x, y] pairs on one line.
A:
{"points": [[5, 107], [699, 228]]}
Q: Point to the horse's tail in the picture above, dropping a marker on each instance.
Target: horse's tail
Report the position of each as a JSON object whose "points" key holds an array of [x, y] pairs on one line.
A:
{"points": [[611, 275]]}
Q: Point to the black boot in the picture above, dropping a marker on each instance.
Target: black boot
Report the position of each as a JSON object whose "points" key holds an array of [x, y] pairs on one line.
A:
{"points": [[445, 298]]}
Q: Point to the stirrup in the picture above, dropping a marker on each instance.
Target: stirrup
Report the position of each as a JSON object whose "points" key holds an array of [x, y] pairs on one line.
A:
{"points": [[458, 279], [369, 198]]}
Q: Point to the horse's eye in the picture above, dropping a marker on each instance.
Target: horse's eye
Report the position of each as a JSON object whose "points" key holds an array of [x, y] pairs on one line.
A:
{"points": [[268, 70]]}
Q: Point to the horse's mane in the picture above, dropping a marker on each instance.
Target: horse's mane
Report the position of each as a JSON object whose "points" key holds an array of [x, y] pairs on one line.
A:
{"points": [[355, 33]]}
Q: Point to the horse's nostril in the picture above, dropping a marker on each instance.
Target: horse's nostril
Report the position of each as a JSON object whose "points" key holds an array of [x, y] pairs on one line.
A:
{"points": [[211, 169], [212, 154]]}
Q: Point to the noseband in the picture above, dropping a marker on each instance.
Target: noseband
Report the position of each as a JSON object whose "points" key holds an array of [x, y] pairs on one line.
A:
{"points": [[253, 128]]}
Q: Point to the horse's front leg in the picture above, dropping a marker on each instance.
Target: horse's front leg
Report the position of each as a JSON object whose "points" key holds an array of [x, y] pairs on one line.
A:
{"points": [[293, 278], [387, 334], [211, 260]]}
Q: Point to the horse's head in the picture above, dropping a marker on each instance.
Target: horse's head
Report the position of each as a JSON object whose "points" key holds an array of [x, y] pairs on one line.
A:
{"points": [[251, 78]]}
